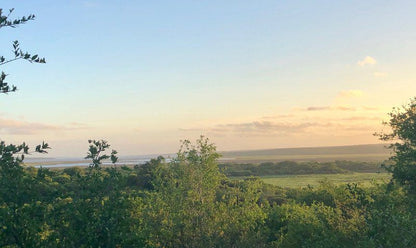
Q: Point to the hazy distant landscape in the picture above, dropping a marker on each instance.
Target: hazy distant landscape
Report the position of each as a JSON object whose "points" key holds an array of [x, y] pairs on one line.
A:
{"points": [[235, 164], [364, 153], [373, 152]]}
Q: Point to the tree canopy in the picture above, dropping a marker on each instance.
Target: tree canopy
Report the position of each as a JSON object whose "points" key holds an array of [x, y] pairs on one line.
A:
{"points": [[403, 135]]}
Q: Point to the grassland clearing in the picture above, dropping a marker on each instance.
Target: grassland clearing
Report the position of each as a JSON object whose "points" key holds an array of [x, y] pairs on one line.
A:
{"points": [[296, 181]]}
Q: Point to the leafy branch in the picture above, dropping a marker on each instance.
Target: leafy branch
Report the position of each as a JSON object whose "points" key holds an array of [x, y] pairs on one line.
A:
{"points": [[5, 22], [16, 153], [12, 155], [96, 150], [18, 52]]}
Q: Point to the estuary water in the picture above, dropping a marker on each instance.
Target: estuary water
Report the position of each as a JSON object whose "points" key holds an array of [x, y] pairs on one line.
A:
{"points": [[66, 162], [80, 162]]}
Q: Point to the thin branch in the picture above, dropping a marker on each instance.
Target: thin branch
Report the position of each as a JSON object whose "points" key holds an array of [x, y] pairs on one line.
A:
{"points": [[11, 60]]}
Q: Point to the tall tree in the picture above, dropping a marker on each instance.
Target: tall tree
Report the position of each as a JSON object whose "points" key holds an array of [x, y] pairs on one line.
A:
{"points": [[403, 133], [16, 190]]}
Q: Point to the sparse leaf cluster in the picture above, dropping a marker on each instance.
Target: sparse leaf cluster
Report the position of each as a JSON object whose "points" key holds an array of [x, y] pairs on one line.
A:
{"points": [[17, 51], [42, 147], [4, 86], [12, 155], [96, 150], [16, 153], [5, 22], [19, 54]]}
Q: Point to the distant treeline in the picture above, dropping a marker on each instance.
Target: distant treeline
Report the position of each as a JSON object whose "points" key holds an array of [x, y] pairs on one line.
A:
{"points": [[299, 168]]}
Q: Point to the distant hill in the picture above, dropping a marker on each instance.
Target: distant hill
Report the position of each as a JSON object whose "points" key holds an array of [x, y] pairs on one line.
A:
{"points": [[364, 153], [372, 152]]}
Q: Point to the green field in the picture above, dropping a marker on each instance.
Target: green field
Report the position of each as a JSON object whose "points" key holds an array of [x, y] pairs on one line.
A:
{"points": [[303, 158], [374, 152], [296, 181]]}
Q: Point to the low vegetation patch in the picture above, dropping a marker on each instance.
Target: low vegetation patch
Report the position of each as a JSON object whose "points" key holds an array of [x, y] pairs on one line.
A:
{"points": [[299, 168]]}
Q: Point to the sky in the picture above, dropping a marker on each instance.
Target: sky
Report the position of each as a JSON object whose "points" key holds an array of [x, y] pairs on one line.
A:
{"points": [[246, 74]]}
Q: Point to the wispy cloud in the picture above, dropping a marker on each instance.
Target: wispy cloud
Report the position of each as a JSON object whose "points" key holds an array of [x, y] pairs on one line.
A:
{"points": [[266, 127], [345, 108], [340, 108], [315, 108], [256, 128], [19, 127], [362, 118], [330, 108], [368, 60], [336, 126], [299, 123], [9, 126], [281, 116]]}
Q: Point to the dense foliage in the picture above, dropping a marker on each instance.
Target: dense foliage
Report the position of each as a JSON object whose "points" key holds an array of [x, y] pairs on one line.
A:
{"points": [[403, 132], [189, 202]]}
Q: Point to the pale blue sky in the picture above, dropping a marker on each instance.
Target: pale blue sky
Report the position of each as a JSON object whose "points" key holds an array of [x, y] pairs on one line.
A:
{"points": [[144, 74]]}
